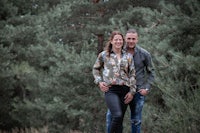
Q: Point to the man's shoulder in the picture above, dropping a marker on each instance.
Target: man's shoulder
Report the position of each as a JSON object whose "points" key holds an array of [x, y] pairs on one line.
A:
{"points": [[142, 50]]}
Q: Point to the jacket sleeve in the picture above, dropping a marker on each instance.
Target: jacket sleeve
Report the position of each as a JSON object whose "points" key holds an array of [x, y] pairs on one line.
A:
{"points": [[150, 71]]}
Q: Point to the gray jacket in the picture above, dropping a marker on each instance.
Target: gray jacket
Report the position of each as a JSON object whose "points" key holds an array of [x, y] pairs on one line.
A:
{"points": [[144, 68]]}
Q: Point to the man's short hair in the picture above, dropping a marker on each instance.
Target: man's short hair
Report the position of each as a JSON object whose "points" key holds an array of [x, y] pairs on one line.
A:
{"points": [[131, 31]]}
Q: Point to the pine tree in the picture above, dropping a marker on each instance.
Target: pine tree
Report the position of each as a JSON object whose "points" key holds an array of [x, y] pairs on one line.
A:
{"points": [[48, 49]]}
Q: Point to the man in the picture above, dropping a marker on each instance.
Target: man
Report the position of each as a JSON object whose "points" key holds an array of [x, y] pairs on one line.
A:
{"points": [[144, 78]]}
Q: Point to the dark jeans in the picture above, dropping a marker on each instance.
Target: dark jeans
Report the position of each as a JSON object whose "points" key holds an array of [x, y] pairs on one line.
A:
{"points": [[136, 106], [115, 101]]}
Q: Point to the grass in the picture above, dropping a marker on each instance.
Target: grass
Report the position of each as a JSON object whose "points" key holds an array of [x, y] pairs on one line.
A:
{"points": [[33, 130]]}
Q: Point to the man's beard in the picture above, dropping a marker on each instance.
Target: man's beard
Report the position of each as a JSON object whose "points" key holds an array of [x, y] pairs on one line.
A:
{"points": [[129, 47]]}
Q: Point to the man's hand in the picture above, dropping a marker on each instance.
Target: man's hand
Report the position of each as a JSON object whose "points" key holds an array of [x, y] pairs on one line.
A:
{"points": [[128, 98], [103, 86], [143, 92]]}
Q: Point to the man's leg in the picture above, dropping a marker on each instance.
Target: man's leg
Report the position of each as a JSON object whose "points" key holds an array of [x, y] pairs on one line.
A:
{"points": [[108, 121], [136, 106]]}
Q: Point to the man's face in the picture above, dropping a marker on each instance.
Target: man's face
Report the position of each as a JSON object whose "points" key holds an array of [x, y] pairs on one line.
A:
{"points": [[131, 39]]}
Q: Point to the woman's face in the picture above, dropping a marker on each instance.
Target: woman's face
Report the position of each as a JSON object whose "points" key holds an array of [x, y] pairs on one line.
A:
{"points": [[117, 42]]}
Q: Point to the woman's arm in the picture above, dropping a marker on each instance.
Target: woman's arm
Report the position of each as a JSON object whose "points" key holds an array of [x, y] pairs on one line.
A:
{"points": [[96, 71]]}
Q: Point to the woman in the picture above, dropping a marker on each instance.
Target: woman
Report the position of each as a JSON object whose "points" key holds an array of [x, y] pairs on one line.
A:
{"points": [[119, 74]]}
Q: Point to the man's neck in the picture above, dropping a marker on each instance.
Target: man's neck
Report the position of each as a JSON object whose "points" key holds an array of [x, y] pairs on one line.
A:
{"points": [[131, 50]]}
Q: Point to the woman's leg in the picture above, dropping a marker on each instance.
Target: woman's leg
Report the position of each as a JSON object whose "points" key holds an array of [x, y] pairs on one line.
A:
{"points": [[123, 93], [114, 104]]}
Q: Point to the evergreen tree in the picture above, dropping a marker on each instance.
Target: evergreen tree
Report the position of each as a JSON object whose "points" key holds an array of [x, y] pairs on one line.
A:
{"points": [[48, 48]]}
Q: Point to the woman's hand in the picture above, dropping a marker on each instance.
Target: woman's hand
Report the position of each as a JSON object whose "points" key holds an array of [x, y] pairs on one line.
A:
{"points": [[103, 86], [128, 98]]}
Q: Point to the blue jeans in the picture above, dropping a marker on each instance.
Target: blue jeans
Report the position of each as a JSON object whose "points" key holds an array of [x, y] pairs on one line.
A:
{"points": [[108, 121], [136, 106], [115, 102]]}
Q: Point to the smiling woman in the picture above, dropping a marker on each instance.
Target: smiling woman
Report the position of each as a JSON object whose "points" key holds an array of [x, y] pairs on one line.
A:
{"points": [[117, 80], [117, 43]]}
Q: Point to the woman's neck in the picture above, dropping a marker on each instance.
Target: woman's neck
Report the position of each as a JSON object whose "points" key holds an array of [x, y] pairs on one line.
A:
{"points": [[117, 51]]}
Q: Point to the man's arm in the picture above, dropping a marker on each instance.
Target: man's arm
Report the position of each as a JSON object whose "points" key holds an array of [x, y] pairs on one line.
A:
{"points": [[150, 72]]}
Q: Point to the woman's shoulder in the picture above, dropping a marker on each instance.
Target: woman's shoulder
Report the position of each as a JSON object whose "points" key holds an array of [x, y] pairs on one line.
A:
{"points": [[102, 55]]}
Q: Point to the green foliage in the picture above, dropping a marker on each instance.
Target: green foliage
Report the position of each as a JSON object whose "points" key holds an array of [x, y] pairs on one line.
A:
{"points": [[48, 49]]}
